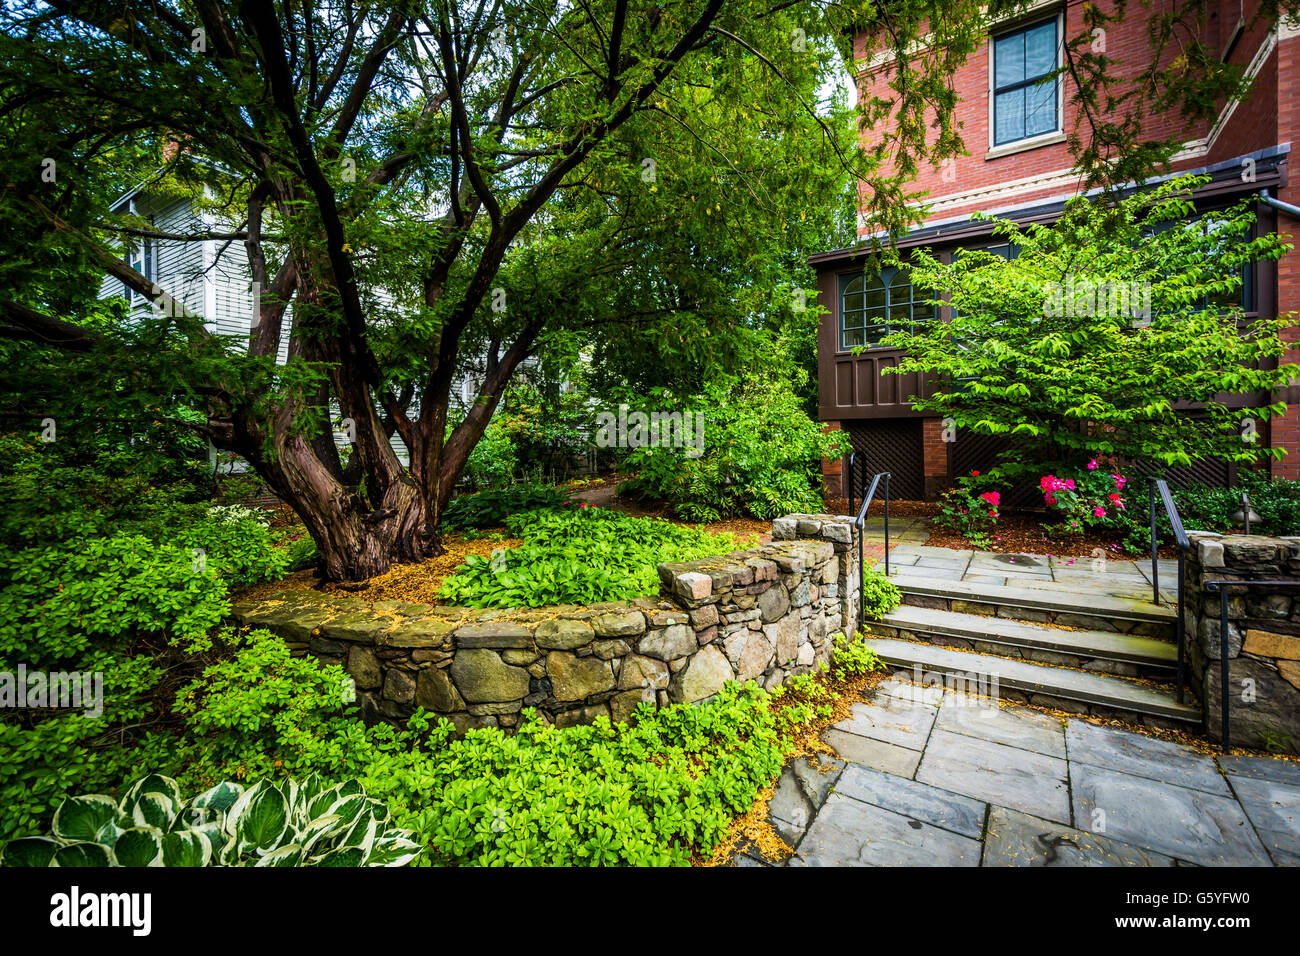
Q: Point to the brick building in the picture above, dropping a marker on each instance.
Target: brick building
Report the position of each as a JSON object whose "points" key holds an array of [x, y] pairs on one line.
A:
{"points": [[1019, 168]]}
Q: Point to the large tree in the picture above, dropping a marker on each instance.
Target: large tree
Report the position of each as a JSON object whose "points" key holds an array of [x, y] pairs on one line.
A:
{"points": [[428, 150]]}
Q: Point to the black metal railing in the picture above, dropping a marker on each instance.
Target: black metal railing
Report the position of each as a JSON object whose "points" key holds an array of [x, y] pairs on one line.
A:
{"points": [[848, 482], [859, 522], [1221, 588], [1158, 486]]}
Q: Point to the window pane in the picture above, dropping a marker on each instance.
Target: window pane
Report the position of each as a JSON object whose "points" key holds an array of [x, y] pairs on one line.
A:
{"points": [[876, 297], [1040, 50], [852, 302], [1009, 114], [1040, 109], [1009, 60], [875, 333], [853, 339]]}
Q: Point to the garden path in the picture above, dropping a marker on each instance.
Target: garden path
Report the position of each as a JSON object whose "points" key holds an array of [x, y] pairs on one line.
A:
{"points": [[932, 776]]}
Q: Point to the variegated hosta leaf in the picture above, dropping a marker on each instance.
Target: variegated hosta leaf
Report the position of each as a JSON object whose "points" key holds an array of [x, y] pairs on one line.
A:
{"points": [[154, 810], [393, 851], [30, 851], [326, 829], [345, 856], [84, 854], [265, 820], [81, 818], [362, 834], [186, 848], [220, 798], [153, 783], [139, 846], [290, 855]]}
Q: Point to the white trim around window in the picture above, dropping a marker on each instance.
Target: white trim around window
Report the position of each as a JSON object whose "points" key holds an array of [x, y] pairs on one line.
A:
{"points": [[1040, 139]]}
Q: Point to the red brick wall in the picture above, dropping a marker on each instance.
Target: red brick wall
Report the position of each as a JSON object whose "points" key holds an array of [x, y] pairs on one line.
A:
{"points": [[832, 468], [1284, 432], [1250, 129], [934, 451]]}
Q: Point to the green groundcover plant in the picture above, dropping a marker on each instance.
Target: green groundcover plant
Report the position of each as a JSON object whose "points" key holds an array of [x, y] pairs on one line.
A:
{"points": [[578, 554], [658, 791]]}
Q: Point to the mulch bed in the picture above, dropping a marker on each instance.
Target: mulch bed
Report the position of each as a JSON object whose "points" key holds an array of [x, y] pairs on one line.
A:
{"points": [[1023, 533]]}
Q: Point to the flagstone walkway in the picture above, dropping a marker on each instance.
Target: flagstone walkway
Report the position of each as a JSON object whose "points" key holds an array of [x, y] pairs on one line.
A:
{"points": [[928, 776]]}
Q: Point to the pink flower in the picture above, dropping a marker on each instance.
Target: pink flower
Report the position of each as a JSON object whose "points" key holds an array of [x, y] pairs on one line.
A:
{"points": [[1068, 484], [1092, 465], [1050, 499], [585, 504], [1099, 512], [992, 497], [1114, 496]]}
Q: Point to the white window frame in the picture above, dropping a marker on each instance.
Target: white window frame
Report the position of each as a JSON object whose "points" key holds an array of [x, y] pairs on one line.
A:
{"points": [[1038, 139]]}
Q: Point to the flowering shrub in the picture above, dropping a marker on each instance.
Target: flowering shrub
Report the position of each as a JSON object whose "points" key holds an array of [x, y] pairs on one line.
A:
{"points": [[968, 512], [1093, 498]]}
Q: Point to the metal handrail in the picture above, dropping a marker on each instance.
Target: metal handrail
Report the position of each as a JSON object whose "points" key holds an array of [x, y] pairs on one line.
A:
{"points": [[849, 483], [1158, 485], [1221, 586], [858, 523]]}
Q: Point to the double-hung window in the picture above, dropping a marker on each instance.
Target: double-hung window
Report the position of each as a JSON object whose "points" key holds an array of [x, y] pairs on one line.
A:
{"points": [[1026, 96]]}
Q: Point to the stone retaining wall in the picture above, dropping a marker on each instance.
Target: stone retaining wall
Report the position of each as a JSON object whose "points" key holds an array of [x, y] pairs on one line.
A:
{"points": [[764, 614], [1263, 638]]}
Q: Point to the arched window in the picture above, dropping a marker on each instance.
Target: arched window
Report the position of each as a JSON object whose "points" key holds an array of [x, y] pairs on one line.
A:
{"points": [[872, 307]]}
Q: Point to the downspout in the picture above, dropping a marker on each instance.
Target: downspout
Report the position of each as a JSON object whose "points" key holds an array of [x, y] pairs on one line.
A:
{"points": [[1286, 207]]}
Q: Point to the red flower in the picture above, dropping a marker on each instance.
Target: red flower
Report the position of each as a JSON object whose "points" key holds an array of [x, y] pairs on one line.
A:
{"points": [[974, 474], [992, 497]]}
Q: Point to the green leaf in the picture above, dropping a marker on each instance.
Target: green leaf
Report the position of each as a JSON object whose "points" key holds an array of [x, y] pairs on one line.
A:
{"points": [[186, 848], [81, 818], [139, 846], [84, 854], [266, 819], [29, 852]]}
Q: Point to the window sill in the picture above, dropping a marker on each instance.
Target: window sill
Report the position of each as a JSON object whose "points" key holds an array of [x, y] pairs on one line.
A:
{"points": [[1020, 146]]}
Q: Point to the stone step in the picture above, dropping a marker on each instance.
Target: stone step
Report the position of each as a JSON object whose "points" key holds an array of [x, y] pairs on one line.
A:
{"points": [[1047, 604], [1059, 687], [1105, 651]]}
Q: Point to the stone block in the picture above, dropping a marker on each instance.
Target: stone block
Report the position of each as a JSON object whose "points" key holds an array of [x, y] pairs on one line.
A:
{"points": [[563, 634]]}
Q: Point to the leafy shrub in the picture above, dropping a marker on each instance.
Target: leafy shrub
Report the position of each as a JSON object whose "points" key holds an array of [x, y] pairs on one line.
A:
{"points": [[238, 546], [54, 601], [251, 713], [578, 555], [48, 753], [968, 511], [879, 594], [52, 494], [761, 455], [490, 508], [853, 658], [493, 460], [293, 824], [1089, 497], [1276, 501]]}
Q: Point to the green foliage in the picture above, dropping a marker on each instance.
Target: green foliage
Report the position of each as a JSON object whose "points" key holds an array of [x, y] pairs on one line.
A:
{"points": [[761, 454], [578, 555], [879, 594], [1047, 350], [1276, 501], [491, 508], [253, 713], [238, 546], [494, 459], [55, 601], [853, 658], [50, 752], [969, 511], [267, 824], [1090, 497]]}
